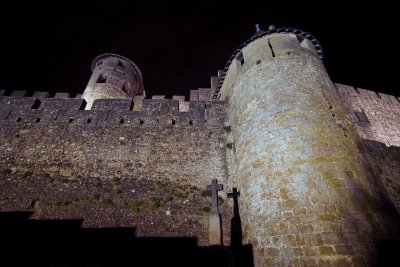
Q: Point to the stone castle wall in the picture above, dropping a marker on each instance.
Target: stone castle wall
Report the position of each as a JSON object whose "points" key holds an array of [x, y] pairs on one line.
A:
{"points": [[377, 119], [376, 115], [317, 164], [146, 146], [308, 194]]}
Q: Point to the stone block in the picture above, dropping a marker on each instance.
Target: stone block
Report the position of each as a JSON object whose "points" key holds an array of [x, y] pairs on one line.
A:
{"points": [[62, 95], [19, 93], [194, 95], [41, 95]]}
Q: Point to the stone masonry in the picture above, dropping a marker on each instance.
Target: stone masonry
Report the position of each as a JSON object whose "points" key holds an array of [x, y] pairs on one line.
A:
{"points": [[299, 161], [317, 164]]}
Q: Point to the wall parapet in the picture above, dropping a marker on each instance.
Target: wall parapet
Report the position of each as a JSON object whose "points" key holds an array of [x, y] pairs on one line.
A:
{"points": [[376, 114], [38, 108], [378, 97]]}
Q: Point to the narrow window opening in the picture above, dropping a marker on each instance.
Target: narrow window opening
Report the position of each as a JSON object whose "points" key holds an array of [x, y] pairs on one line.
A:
{"points": [[89, 120], [141, 122], [18, 120], [173, 122], [361, 116], [258, 62], [83, 105], [121, 121], [124, 89], [70, 120], [101, 79], [36, 105], [191, 122], [240, 58], [272, 50], [121, 65], [37, 119]]}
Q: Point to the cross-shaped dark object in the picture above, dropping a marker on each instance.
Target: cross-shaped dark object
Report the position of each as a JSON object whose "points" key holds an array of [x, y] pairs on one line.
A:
{"points": [[214, 187], [236, 224], [235, 194]]}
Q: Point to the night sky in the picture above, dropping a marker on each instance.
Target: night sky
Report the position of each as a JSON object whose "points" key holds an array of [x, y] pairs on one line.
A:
{"points": [[178, 46]]}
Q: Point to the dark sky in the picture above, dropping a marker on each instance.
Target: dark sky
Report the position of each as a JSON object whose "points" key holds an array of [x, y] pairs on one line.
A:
{"points": [[178, 46]]}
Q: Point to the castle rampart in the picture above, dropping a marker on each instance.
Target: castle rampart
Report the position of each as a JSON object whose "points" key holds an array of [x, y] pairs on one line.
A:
{"points": [[317, 164], [154, 157], [377, 118]]}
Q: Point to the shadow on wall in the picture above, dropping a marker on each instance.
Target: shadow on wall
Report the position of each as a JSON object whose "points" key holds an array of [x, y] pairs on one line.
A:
{"points": [[28, 242], [386, 161], [241, 255]]}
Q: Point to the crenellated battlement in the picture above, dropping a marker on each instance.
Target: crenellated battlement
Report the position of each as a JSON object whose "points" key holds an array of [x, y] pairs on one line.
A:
{"points": [[39, 108], [355, 92], [317, 163], [375, 114]]}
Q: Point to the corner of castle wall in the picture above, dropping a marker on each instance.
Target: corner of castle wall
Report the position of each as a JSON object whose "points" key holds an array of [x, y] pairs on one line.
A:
{"points": [[376, 114]]}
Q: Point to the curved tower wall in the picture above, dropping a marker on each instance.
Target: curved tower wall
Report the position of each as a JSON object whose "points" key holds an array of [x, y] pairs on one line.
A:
{"points": [[113, 76], [308, 195]]}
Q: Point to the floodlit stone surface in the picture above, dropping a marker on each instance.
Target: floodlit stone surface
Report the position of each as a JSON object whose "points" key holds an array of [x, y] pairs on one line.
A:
{"points": [[317, 164], [299, 162], [113, 76]]}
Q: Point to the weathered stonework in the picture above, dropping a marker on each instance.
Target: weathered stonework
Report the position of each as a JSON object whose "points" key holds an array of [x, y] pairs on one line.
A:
{"points": [[308, 196], [113, 76], [376, 117], [68, 151], [317, 164]]}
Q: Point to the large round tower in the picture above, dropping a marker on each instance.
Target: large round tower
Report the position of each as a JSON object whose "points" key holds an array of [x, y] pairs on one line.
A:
{"points": [[308, 195], [113, 76]]}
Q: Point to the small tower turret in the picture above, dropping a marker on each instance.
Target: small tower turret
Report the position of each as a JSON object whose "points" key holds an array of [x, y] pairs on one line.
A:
{"points": [[113, 76]]}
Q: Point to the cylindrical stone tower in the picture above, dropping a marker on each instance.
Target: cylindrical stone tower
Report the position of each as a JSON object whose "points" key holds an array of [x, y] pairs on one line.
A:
{"points": [[308, 196], [113, 76]]}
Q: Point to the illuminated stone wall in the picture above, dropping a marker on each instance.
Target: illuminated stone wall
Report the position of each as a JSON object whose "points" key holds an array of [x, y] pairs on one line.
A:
{"points": [[317, 164], [113, 76], [308, 195], [142, 165], [377, 119]]}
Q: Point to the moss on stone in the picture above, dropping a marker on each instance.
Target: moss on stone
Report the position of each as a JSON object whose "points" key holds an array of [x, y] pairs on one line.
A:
{"points": [[108, 201], [136, 206], [206, 193], [26, 174], [205, 209], [156, 202]]}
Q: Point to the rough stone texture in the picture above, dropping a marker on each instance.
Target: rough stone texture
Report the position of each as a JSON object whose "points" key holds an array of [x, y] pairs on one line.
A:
{"points": [[113, 77], [202, 94], [317, 165], [308, 195], [377, 118], [376, 115], [69, 160]]}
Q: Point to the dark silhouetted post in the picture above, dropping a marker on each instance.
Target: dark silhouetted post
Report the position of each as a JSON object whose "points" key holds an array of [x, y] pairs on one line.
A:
{"points": [[236, 224]]}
